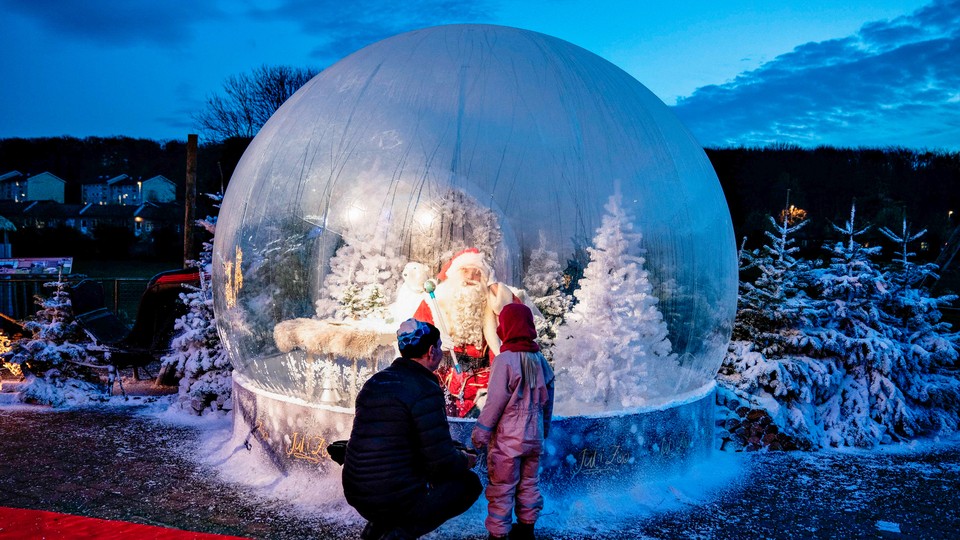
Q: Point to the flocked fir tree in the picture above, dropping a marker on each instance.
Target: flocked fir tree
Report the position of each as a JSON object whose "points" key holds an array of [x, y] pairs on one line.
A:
{"points": [[53, 354], [197, 356], [615, 333], [771, 307], [766, 366], [867, 360], [853, 330], [364, 267], [930, 349], [543, 283]]}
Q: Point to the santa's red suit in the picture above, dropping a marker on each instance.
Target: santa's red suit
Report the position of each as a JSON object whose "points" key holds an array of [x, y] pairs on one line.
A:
{"points": [[472, 331]]}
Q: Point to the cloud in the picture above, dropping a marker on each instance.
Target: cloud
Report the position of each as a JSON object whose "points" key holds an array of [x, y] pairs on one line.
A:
{"points": [[893, 83], [345, 27], [128, 22]]}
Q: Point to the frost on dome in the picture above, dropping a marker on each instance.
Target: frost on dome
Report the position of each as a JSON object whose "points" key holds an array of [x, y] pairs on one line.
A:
{"points": [[536, 158]]}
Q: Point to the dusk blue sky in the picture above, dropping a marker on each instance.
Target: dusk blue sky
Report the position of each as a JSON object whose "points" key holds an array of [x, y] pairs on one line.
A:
{"points": [[746, 72]]}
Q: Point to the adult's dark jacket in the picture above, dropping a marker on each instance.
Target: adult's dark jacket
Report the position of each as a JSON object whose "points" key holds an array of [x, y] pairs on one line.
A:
{"points": [[400, 439]]}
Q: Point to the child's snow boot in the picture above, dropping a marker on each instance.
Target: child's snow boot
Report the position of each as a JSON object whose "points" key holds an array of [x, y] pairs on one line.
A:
{"points": [[522, 531]]}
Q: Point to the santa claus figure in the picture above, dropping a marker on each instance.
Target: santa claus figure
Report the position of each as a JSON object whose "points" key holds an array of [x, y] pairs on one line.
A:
{"points": [[465, 306]]}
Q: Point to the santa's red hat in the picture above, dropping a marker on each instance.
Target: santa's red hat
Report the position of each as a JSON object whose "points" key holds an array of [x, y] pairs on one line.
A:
{"points": [[470, 257]]}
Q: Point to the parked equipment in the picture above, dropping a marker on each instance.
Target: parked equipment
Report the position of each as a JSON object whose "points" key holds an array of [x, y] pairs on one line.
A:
{"points": [[153, 328]]}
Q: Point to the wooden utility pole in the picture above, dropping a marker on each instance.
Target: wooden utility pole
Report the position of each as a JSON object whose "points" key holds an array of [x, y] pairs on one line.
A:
{"points": [[190, 199]]}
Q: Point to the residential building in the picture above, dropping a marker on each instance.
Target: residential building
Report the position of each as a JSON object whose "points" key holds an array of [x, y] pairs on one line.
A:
{"points": [[158, 189], [128, 191], [17, 187], [140, 220]]}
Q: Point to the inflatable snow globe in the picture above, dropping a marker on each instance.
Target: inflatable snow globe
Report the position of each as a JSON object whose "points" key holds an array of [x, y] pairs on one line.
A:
{"points": [[441, 174]]}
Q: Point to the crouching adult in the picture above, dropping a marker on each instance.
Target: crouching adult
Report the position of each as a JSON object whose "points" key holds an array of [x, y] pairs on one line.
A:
{"points": [[402, 471]]}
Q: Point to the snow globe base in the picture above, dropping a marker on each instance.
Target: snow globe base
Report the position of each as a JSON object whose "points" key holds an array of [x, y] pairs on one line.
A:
{"points": [[582, 453]]}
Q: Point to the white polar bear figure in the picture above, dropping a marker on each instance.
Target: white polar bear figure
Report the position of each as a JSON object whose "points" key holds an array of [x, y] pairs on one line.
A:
{"points": [[410, 293]]}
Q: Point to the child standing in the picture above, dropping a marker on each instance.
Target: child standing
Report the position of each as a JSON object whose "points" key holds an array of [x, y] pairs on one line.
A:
{"points": [[512, 425]]}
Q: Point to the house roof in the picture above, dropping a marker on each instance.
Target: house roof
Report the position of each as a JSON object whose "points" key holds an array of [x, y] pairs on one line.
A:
{"points": [[12, 175], [122, 180], [107, 211], [47, 174], [158, 177], [50, 209], [44, 209], [158, 212], [6, 225]]}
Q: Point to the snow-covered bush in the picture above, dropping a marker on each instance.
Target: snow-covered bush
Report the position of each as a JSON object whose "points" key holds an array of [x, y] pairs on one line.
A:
{"points": [[197, 355], [53, 354]]}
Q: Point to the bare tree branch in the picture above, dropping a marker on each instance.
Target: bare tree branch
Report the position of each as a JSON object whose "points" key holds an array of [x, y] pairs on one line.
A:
{"points": [[248, 100]]}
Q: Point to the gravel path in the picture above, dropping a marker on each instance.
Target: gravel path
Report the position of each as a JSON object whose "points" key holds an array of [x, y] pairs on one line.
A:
{"points": [[115, 464]]}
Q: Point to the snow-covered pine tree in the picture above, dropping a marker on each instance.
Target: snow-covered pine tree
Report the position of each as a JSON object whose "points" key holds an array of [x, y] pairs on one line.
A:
{"points": [[615, 333], [868, 407], [543, 283], [197, 356], [929, 347], [770, 308], [53, 354], [765, 364]]}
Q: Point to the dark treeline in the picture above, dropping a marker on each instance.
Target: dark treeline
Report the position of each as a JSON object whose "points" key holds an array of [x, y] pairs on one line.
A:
{"points": [[822, 181]]}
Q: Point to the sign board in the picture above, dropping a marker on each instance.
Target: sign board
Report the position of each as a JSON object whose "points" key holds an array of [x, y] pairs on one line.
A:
{"points": [[36, 265]]}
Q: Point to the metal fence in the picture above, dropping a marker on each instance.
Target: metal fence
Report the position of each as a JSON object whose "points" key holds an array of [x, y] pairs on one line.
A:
{"points": [[18, 295]]}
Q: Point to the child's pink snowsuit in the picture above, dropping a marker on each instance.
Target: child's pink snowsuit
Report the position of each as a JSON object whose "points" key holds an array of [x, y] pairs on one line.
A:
{"points": [[514, 421]]}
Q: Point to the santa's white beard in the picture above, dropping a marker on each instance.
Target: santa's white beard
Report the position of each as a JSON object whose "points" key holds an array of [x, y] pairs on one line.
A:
{"points": [[463, 308]]}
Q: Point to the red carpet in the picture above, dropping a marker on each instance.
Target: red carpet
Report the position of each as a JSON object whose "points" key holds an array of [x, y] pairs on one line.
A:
{"points": [[36, 525]]}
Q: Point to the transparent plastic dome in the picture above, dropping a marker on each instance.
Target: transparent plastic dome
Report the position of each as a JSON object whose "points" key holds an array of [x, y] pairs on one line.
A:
{"points": [[558, 169]]}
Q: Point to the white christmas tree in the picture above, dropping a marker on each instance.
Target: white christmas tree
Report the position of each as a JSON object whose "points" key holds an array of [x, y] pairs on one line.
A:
{"points": [[197, 356], [615, 332], [366, 266], [543, 283]]}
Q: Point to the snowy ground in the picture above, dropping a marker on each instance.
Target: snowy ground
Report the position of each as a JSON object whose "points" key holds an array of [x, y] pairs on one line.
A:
{"points": [[138, 464]]}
